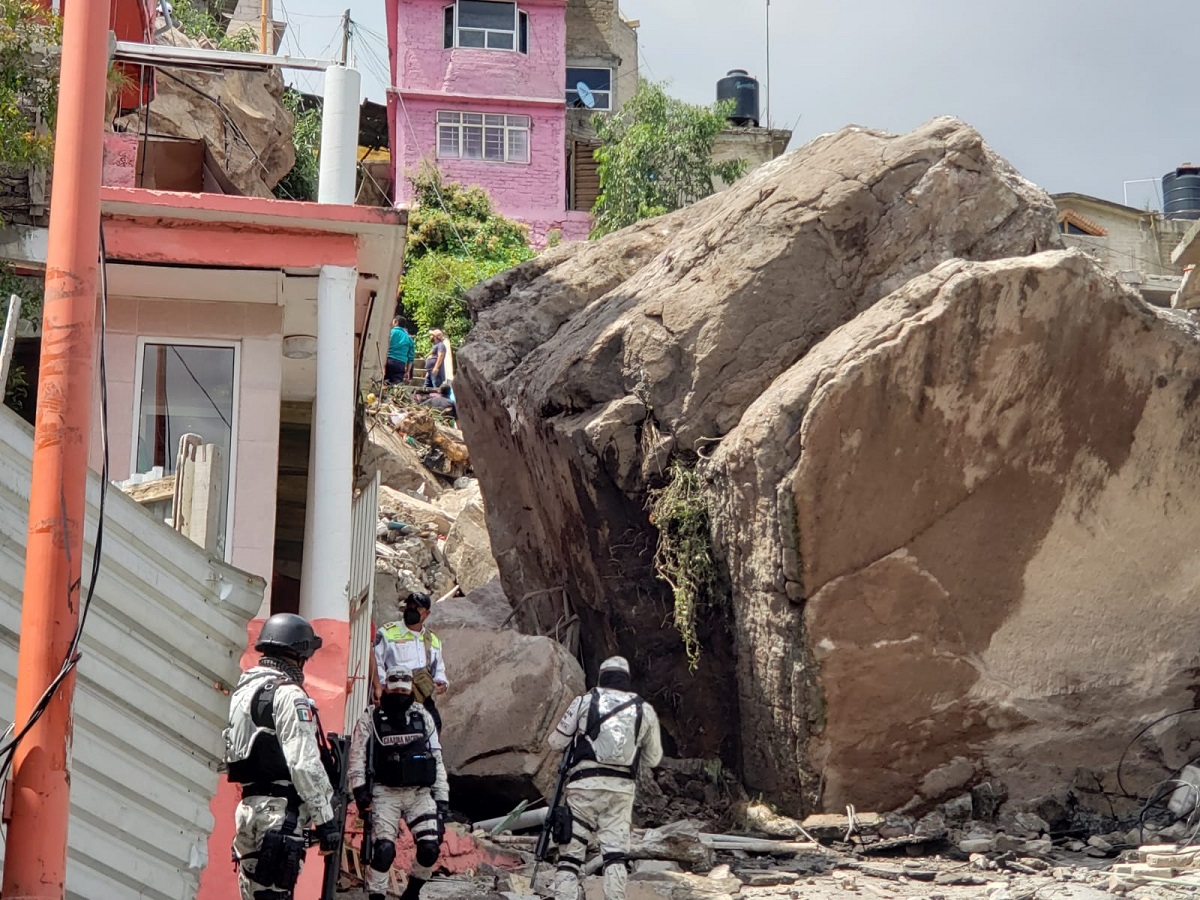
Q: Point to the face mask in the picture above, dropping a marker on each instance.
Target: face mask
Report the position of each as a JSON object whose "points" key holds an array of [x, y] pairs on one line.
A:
{"points": [[396, 703], [412, 616]]}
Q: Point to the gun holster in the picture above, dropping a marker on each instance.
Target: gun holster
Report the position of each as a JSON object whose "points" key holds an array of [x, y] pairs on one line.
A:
{"points": [[561, 829]]}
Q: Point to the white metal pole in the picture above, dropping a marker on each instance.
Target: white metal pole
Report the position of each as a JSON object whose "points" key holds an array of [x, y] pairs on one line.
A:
{"points": [[327, 544], [339, 136], [10, 339]]}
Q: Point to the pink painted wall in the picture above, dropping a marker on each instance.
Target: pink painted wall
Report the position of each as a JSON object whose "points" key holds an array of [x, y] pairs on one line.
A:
{"points": [[257, 329], [429, 78], [425, 66]]}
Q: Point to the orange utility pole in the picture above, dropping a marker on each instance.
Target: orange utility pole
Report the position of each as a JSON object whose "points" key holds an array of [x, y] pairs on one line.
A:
{"points": [[35, 857]]}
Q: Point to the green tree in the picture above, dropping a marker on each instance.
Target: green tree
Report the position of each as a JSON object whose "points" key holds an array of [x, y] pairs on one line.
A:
{"points": [[455, 240], [28, 83], [656, 157], [193, 18], [301, 182]]}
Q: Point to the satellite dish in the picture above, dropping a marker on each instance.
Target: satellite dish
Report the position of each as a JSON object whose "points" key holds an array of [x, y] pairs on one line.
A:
{"points": [[585, 95]]}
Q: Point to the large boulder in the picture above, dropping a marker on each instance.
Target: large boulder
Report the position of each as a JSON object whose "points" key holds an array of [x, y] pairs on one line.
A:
{"points": [[592, 367], [468, 547], [397, 461], [238, 113], [959, 530], [507, 692]]}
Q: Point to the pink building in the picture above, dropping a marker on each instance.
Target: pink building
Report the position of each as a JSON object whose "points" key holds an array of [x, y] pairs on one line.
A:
{"points": [[478, 90]]}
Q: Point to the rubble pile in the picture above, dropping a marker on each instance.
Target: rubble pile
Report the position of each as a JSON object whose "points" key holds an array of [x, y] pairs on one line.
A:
{"points": [[946, 479], [430, 537]]}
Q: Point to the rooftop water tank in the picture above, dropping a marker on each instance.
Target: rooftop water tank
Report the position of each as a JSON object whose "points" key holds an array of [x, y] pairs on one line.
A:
{"points": [[1181, 193], [740, 87]]}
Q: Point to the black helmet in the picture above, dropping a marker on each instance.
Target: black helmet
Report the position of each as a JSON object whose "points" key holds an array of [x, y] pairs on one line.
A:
{"points": [[290, 634]]}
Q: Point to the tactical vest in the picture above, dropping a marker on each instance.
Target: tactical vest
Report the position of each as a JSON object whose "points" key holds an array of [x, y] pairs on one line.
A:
{"points": [[252, 749], [610, 739], [403, 757]]}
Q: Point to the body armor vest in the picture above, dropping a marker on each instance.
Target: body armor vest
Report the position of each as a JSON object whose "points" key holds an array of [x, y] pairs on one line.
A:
{"points": [[403, 757], [252, 750]]}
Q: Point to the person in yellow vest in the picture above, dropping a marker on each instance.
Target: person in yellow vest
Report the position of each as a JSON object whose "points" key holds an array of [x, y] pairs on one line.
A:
{"points": [[411, 645]]}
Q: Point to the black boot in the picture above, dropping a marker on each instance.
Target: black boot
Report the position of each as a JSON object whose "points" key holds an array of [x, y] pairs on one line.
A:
{"points": [[376, 897], [412, 891]]}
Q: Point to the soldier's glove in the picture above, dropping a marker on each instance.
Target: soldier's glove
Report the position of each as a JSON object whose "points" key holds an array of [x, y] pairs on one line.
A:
{"points": [[329, 836], [362, 798]]}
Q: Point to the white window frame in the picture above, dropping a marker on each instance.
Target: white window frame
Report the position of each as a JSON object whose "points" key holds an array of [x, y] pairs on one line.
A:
{"points": [[234, 429], [487, 32], [573, 95], [523, 123]]}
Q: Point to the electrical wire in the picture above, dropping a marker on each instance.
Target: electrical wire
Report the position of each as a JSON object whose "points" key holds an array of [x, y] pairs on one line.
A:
{"points": [[73, 655], [1136, 737]]}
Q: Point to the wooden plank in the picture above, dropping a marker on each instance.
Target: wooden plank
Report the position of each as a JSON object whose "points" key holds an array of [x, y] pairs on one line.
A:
{"points": [[151, 491]]}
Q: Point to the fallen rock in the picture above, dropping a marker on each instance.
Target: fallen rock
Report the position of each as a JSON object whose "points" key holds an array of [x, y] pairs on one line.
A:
{"points": [[397, 461], [592, 367], [759, 818], [412, 510], [677, 842], [680, 886], [468, 546], [1010, 417], [499, 678], [238, 113]]}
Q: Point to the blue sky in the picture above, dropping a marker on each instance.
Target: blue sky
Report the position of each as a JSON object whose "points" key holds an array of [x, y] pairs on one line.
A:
{"points": [[1081, 95]]}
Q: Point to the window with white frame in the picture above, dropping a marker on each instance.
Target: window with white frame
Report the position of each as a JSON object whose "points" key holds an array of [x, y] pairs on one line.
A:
{"points": [[486, 136], [597, 84], [486, 25], [187, 389]]}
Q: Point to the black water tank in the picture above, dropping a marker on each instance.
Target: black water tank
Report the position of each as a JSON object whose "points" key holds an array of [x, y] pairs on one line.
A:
{"points": [[742, 89], [1181, 193]]}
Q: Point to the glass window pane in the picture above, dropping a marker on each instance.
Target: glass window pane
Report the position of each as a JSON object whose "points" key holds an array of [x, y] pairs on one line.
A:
{"points": [[449, 117], [500, 40], [448, 141], [493, 144], [472, 118], [603, 100], [487, 14], [448, 27], [468, 38], [518, 121], [518, 145], [186, 390], [596, 79], [472, 143], [493, 120], [524, 29]]}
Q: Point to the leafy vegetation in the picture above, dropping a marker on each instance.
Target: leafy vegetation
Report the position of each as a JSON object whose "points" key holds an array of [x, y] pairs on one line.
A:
{"points": [[193, 19], [656, 157], [301, 182], [684, 558], [29, 36], [455, 240]]}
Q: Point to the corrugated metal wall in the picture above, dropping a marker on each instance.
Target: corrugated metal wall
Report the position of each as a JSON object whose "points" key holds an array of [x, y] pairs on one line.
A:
{"points": [[161, 651], [362, 600]]}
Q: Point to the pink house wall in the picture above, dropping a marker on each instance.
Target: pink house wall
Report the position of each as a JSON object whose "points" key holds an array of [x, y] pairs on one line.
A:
{"points": [[257, 330], [429, 78]]}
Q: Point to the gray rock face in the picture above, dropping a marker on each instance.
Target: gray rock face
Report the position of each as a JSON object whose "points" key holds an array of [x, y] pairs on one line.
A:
{"points": [[468, 546], [982, 480], [594, 365], [507, 691]]}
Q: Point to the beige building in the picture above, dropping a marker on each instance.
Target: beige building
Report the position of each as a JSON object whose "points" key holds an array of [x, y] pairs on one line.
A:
{"points": [[602, 53], [1137, 244]]}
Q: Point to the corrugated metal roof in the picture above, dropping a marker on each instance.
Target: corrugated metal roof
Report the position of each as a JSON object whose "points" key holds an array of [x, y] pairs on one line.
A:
{"points": [[163, 644]]}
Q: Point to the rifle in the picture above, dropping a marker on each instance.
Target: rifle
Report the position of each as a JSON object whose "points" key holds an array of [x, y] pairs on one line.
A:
{"points": [[367, 849], [334, 758], [558, 817]]}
